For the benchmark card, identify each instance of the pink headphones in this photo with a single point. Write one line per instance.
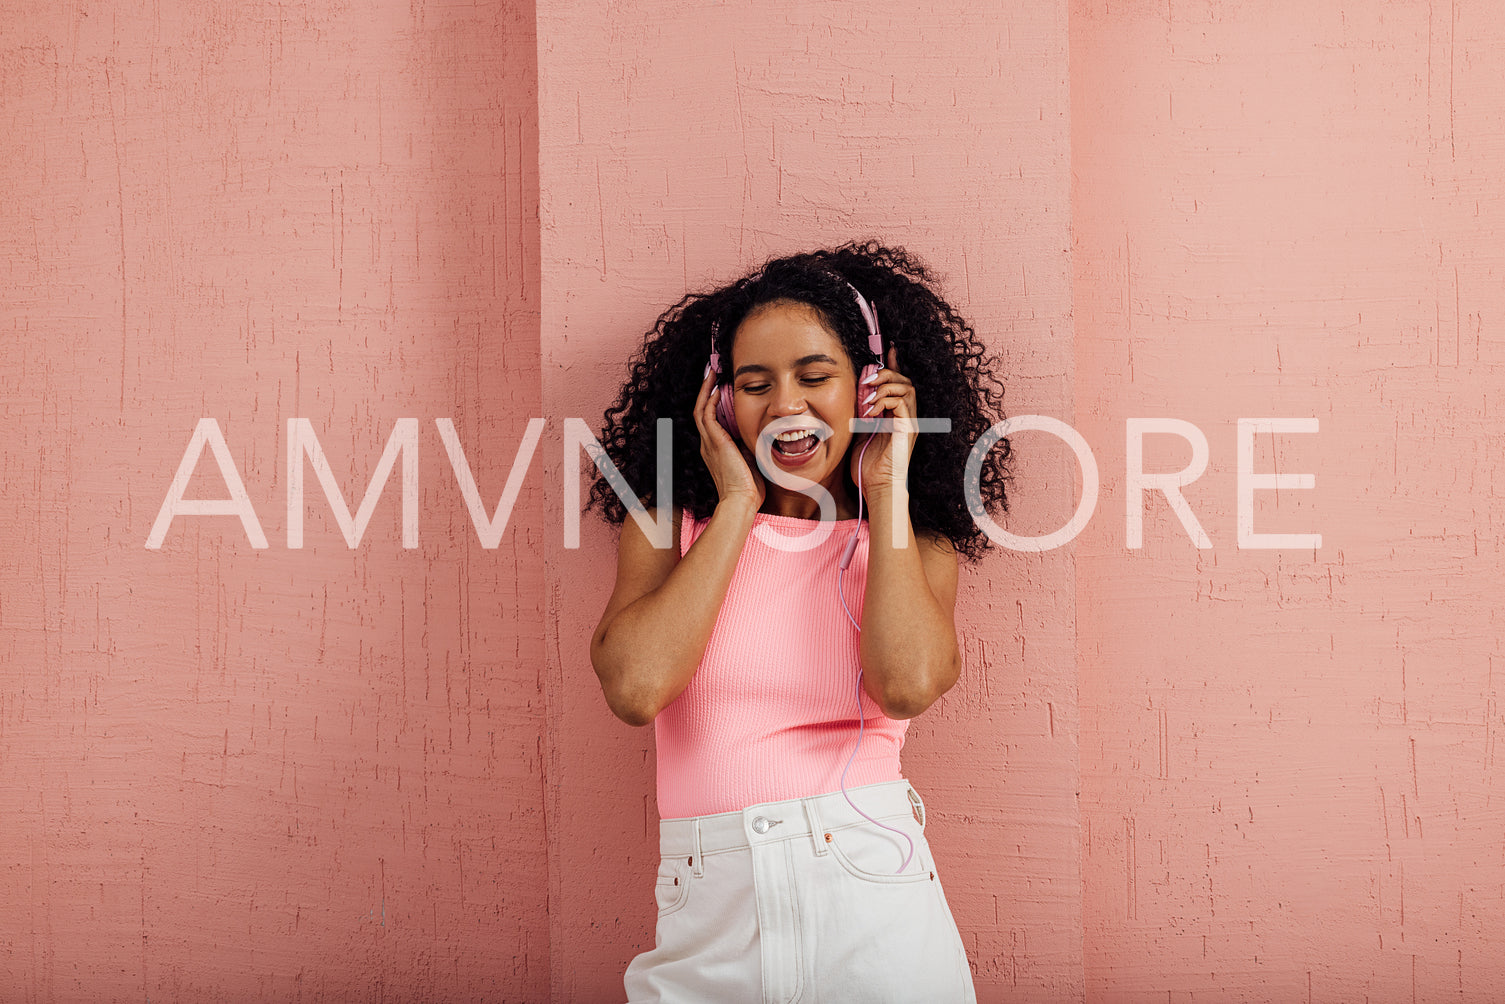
(725, 391)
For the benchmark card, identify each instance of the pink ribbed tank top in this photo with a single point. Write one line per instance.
(771, 712)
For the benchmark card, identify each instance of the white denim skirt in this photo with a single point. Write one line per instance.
(802, 900)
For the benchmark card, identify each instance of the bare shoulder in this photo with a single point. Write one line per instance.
(938, 541)
(635, 552)
(641, 568)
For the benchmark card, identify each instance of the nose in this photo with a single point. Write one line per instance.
(787, 400)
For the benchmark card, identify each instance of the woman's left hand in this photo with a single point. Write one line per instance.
(892, 396)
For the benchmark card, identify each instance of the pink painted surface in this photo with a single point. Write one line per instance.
(1290, 777)
(240, 774)
(684, 145)
(380, 772)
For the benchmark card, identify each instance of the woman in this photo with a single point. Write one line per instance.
(782, 646)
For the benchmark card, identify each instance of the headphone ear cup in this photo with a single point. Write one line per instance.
(724, 410)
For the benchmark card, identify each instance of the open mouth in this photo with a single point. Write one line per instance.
(796, 444)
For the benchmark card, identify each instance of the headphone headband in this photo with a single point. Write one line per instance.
(874, 341)
(715, 356)
(869, 317)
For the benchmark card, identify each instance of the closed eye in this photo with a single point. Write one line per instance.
(758, 388)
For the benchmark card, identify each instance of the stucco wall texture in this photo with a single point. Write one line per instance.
(1290, 778)
(382, 772)
(231, 773)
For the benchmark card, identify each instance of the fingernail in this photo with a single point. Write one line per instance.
(870, 377)
(707, 371)
(869, 398)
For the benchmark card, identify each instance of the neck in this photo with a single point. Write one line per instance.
(782, 502)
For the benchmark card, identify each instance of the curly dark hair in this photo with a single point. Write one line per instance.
(937, 350)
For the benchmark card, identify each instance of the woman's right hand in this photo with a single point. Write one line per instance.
(734, 470)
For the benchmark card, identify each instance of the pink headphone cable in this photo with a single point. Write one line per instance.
(846, 559)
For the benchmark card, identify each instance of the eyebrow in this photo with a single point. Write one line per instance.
(818, 357)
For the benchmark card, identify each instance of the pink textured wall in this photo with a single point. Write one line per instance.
(1290, 781)
(684, 147)
(229, 773)
(331, 772)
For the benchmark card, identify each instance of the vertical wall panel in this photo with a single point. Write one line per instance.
(1290, 782)
(240, 774)
(684, 144)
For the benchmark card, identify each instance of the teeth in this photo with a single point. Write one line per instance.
(789, 437)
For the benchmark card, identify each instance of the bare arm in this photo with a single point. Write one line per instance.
(656, 625)
(659, 618)
(908, 646)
